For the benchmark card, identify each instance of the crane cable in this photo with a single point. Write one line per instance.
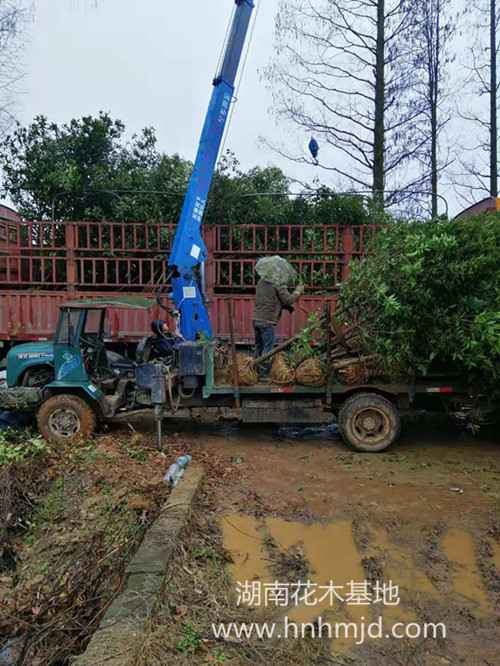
(240, 78)
(224, 44)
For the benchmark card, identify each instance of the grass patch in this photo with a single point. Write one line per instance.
(73, 535)
(51, 508)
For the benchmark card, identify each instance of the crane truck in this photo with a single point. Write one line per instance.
(74, 382)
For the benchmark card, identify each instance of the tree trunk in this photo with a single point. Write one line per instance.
(379, 129)
(434, 97)
(434, 165)
(493, 102)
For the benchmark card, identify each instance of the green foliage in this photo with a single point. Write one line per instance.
(51, 509)
(243, 198)
(17, 446)
(190, 641)
(87, 169)
(136, 452)
(218, 656)
(262, 196)
(303, 347)
(429, 297)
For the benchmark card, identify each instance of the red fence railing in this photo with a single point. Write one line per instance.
(115, 256)
(321, 253)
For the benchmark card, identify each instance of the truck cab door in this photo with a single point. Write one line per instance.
(68, 360)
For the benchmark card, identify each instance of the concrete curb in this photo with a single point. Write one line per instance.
(144, 578)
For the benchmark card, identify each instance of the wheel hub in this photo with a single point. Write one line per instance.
(64, 422)
(371, 424)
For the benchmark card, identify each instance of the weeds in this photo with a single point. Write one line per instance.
(135, 449)
(139, 455)
(74, 534)
(218, 656)
(17, 446)
(52, 507)
(190, 641)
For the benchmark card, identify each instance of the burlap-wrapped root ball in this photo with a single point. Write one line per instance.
(281, 372)
(354, 374)
(360, 372)
(221, 364)
(310, 373)
(223, 370)
(247, 374)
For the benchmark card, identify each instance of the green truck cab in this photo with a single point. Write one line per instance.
(30, 364)
(70, 383)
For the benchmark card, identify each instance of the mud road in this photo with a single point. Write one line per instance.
(421, 519)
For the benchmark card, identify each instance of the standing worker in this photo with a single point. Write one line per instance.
(272, 297)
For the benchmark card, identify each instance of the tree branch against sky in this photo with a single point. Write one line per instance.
(478, 173)
(13, 17)
(436, 26)
(341, 71)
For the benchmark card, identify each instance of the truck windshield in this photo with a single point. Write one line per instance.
(68, 327)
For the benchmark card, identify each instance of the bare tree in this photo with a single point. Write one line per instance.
(342, 70)
(435, 28)
(493, 93)
(13, 17)
(479, 164)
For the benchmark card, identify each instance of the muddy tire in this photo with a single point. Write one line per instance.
(65, 419)
(369, 422)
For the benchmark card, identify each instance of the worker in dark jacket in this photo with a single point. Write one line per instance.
(270, 301)
(165, 341)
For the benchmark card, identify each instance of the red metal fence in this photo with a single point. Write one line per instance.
(40, 262)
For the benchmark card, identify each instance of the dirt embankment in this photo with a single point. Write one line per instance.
(74, 516)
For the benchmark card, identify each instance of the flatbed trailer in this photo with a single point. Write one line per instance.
(368, 414)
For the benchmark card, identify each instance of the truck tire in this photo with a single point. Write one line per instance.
(369, 422)
(65, 419)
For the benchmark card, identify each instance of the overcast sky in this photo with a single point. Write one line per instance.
(148, 62)
(151, 63)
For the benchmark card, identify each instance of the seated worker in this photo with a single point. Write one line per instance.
(165, 340)
(270, 301)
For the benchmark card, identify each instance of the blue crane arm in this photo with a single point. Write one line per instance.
(189, 250)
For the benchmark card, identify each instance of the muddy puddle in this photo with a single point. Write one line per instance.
(460, 550)
(378, 580)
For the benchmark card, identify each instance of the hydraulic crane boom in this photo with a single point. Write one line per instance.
(189, 250)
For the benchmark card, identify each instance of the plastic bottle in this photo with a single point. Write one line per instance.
(176, 470)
